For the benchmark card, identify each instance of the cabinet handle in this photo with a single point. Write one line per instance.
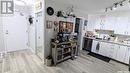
(98, 46)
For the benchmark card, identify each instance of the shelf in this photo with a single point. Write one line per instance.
(67, 52)
(64, 58)
(59, 57)
(59, 49)
(67, 47)
(67, 57)
(69, 42)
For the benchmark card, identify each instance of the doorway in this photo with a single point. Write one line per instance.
(39, 35)
(15, 32)
(2, 48)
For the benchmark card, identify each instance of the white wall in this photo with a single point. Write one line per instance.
(29, 10)
(32, 37)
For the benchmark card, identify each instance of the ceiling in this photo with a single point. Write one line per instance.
(88, 5)
(24, 2)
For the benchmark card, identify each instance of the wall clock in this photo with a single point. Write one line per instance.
(50, 11)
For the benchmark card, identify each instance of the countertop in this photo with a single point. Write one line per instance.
(73, 41)
(113, 42)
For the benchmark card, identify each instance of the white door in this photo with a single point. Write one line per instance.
(2, 48)
(39, 35)
(15, 30)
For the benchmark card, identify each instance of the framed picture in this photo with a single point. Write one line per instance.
(49, 24)
(66, 27)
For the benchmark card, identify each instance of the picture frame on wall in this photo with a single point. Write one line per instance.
(66, 27)
(49, 24)
(56, 28)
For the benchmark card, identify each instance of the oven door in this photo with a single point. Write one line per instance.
(87, 44)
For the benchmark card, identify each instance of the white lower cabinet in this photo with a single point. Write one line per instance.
(107, 49)
(121, 53)
(111, 50)
(103, 49)
(127, 56)
(114, 51)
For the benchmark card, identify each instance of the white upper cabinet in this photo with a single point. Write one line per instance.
(110, 23)
(91, 22)
(121, 25)
(128, 27)
(97, 23)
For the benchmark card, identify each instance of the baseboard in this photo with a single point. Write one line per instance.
(2, 54)
(32, 50)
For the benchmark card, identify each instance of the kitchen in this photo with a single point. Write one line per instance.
(108, 35)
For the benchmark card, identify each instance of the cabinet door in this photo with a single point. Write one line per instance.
(127, 56)
(116, 47)
(94, 46)
(97, 23)
(128, 27)
(110, 23)
(121, 53)
(103, 49)
(121, 25)
(110, 50)
(92, 23)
